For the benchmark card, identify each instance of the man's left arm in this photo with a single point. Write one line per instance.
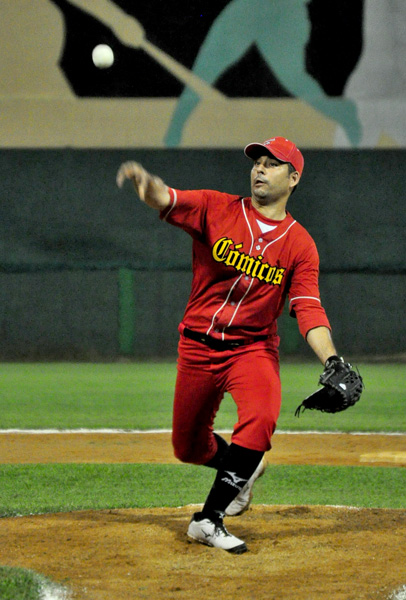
(305, 303)
(321, 342)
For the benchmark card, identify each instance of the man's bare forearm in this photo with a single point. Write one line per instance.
(321, 342)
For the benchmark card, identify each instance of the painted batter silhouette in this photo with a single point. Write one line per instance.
(280, 31)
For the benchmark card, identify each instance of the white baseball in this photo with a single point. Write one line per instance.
(102, 56)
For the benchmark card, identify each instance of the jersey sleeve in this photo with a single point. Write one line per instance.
(187, 210)
(304, 295)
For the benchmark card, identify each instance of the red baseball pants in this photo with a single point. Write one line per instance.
(249, 373)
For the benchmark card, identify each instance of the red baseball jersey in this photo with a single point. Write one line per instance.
(244, 266)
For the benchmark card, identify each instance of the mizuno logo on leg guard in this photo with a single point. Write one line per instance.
(235, 481)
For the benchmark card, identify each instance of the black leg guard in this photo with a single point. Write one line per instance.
(222, 450)
(237, 467)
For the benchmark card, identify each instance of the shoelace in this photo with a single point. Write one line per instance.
(220, 530)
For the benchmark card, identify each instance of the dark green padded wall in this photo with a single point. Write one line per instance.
(67, 233)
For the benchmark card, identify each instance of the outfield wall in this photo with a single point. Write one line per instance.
(88, 272)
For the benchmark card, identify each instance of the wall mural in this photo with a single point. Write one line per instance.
(189, 73)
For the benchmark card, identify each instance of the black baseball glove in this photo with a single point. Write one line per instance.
(342, 387)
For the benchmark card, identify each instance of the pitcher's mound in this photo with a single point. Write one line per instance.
(295, 552)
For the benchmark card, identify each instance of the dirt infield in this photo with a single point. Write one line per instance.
(321, 449)
(311, 553)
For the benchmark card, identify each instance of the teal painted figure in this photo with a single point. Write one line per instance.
(280, 29)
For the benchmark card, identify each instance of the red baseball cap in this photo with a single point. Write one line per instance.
(280, 148)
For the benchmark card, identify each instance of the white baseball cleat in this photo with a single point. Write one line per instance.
(215, 534)
(242, 501)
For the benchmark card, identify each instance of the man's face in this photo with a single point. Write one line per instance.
(270, 179)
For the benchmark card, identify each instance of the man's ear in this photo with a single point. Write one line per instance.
(294, 179)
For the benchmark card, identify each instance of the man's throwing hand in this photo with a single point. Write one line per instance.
(150, 188)
(137, 174)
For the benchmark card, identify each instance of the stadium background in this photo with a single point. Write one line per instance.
(88, 272)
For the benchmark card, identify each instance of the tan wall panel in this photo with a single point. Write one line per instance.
(116, 123)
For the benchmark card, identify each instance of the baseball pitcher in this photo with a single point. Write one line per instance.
(249, 257)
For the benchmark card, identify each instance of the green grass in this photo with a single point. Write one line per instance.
(32, 489)
(24, 584)
(75, 395)
(139, 396)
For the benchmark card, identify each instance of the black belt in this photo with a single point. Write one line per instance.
(215, 344)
